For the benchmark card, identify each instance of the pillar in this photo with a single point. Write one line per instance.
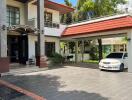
(82, 50)
(67, 51)
(76, 51)
(129, 48)
(41, 58)
(4, 61)
(100, 49)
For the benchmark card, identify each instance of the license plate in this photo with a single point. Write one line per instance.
(105, 66)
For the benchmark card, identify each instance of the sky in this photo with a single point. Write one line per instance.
(62, 1)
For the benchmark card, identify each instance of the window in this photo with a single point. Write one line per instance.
(49, 48)
(13, 15)
(48, 17)
(125, 55)
(115, 55)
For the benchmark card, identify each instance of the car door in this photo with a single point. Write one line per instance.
(125, 60)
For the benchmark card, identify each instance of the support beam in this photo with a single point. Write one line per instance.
(4, 61)
(129, 48)
(41, 58)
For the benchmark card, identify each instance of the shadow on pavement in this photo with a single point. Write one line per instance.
(49, 86)
(83, 65)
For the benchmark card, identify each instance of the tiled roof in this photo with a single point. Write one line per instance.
(99, 26)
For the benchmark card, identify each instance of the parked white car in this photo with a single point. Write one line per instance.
(114, 61)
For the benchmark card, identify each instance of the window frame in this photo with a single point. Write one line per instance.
(16, 10)
(48, 13)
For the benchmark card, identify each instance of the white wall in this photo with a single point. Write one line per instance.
(33, 38)
(31, 44)
(79, 58)
(55, 31)
(32, 13)
(21, 6)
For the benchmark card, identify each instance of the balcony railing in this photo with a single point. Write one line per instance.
(52, 25)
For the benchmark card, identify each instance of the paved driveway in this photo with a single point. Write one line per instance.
(76, 83)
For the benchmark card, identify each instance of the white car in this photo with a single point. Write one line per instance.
(114, 61)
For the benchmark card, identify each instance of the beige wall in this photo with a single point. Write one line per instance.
(31, 43)
(21, 6)
(32, 13)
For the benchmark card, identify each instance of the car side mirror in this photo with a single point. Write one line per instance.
(125, 58)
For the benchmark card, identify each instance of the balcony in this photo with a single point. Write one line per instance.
(51, 29)
(52, 25)
(54, 29)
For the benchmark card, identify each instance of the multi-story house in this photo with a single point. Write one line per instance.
(22, 44)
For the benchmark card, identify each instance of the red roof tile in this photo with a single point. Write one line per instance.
(100, 26)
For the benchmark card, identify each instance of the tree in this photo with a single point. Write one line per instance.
(97, 8)
(67, 18)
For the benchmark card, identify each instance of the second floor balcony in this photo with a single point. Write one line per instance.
(51, 28)
(52, 25)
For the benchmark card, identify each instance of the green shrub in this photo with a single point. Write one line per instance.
(57, 59)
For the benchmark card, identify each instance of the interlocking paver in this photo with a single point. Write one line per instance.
(76, 83)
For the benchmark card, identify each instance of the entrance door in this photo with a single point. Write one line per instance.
(23, 49)
(18, 49)
(13, 49)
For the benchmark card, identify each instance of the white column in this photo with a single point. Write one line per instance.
(67, 51)
(40, 19)
(4, 61)
(41, 59)
(82, 50)
(129, 51)
(76, 51)
(3, 31)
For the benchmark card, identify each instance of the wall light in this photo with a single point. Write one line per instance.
(3, 27)
(128, 39)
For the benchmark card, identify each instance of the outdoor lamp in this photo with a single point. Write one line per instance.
(3, 27)
(128, 39)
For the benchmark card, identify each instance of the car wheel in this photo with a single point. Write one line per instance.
(121, 67)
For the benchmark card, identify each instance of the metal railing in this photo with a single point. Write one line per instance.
(52, 25)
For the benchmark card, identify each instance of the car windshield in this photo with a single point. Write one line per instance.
(115, 55)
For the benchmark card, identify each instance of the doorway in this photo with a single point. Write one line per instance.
(18, 48)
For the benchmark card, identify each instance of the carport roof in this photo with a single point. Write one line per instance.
(99, 25)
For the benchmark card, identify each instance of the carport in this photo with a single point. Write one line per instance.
(106, 27)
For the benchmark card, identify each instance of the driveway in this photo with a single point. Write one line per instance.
(76, 83)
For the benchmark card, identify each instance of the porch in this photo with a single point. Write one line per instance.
(97, 29)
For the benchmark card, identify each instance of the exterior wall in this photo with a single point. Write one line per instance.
(32, 13)
(113, 41)
(32, 17)
(32, 39)
(31, 44)
(57, 42)
(21, 6)
(79, 58)
(54, 31)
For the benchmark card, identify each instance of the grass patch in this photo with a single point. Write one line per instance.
(92, 61)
